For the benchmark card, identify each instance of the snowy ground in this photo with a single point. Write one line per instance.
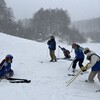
(48, 79)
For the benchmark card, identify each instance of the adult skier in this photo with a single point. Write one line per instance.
(52, 47)
(94, 64)
(79, 56)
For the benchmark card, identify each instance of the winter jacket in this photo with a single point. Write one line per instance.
(94, 63)
(52, 44)
(66, 52)
(79, 53)
(5, 67)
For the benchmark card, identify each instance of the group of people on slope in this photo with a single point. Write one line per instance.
(93, 58)
(5, 67)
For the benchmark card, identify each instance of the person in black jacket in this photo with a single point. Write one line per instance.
(52, 47)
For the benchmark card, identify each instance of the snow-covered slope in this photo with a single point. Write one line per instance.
(48, 80)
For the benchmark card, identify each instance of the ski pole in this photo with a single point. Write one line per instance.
(58, 52)
(47, 53)
(70, 65)
(72, 50)
(72, 79)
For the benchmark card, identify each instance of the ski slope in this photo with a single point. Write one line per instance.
(48, 79)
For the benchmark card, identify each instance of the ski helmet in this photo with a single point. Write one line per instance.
(9, 56)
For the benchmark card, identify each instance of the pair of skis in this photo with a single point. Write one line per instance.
(18, 80)
(73, 78)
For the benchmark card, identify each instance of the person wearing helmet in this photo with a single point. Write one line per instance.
(65, 52)
(94, 64)
(52, 47)
(5, 67)
(79, 56)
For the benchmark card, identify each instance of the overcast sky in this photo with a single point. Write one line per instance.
(77, 9)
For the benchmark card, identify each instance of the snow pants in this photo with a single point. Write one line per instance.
(93, 74)
(52, 55)
(80, 61)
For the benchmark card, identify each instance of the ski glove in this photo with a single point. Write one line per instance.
(84, 68)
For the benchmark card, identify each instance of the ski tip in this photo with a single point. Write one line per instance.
(28, 81)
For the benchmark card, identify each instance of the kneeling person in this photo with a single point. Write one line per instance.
(5, 67)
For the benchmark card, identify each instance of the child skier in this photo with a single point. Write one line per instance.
(5, 67)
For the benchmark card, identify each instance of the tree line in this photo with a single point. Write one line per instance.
(90, 28)
(43, 24)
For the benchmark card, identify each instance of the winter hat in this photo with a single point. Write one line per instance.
(86, 50)
(52, 37)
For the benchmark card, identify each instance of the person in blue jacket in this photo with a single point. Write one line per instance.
(5, 67)
(79, 56)
(52, 47)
